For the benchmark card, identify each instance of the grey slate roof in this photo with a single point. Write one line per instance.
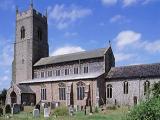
(135, 71)
(25, 89)
(72, 57)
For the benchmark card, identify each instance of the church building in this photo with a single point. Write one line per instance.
(78, 79)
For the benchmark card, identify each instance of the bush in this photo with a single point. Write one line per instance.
(149, 110)
(61, 111)
(8, 109)
(156, 89)
(1, 111)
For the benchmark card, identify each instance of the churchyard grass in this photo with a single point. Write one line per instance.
(117, 114)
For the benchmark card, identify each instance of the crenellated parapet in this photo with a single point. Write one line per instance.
(29, 13)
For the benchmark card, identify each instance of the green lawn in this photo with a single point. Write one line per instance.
(108, 115)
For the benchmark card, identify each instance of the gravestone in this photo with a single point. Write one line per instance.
(36, 113)
(76, 108)
(71, 111)
(15, 109)
(46, 112)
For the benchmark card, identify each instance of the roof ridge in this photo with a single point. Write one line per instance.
(85, 51)
(137, 65)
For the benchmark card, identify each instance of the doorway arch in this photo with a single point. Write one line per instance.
(13, 97)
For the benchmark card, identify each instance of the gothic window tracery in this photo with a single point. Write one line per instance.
(80, 90)
(62, 91)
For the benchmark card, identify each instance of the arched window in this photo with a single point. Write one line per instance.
(39, 33)
(43, 92)
(146, 87)
(109, 91)
(80, 90)
(62, 91)
(22, 32)
(125, 87)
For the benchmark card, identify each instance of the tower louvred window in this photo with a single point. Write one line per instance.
(39, 32)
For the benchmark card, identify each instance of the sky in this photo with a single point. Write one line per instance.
(132, 26)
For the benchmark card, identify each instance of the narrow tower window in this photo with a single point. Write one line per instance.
(22, 32)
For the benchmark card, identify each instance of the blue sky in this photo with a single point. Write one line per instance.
(132, 26)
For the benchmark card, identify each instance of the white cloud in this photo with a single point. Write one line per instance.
(129, 2)
(123, 56)
(126, 38)
(63, 16)
(6, 52)
(4, 78)
(109, 2)
(147, 1)
(152, 47)
(116, 18)
(125, 3)
(67, 50)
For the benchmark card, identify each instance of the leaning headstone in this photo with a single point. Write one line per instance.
(36, 113)
(46, 112)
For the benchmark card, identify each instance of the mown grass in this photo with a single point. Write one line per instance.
(107, 115)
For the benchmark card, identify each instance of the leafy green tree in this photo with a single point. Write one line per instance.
(149, 109)
(156, 89)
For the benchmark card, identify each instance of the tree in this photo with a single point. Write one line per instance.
(3, 96)
(156, 89)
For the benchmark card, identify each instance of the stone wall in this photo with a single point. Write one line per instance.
(135, 89)
(94, 65)
(53, 91)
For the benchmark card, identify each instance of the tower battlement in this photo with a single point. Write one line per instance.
(29, 13)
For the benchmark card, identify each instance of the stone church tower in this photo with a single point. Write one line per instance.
(31, 43)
